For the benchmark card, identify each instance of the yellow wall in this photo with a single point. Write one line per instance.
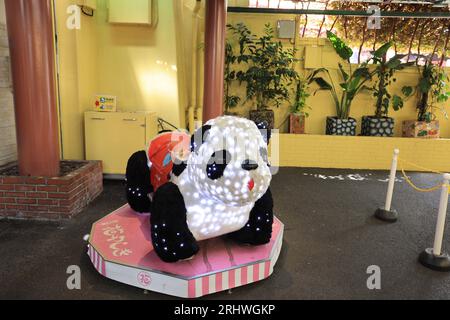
(77, 54)
(2, 12)
(320, 151)
(137, 64)
(322, 104)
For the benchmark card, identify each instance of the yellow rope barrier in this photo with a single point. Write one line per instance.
(409, 181)
(419, 167)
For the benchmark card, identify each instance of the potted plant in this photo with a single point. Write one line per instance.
(269, 73)
(298, 110)
(352, 84)
(380, 124)
(230, 101)
(432, 89)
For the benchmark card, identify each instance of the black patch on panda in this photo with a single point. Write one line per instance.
(178, 168)
(199, 137)
(138, 184)
(258, 229)
(217, 164)
(172, 240)
(263, 127)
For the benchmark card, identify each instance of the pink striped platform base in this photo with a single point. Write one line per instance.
(120, 249)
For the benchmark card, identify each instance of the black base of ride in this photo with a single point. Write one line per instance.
(387, 216)
(436, 263)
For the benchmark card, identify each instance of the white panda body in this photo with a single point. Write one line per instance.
(208, 218)
(220, 203)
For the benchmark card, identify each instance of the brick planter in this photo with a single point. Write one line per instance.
(421, 129)
(297, 123)
(51, 198)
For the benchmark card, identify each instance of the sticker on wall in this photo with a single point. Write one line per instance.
(105, 103)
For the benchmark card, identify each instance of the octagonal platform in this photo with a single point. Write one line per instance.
(120, 249)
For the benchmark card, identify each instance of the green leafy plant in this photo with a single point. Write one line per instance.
(230, 101)
(301, 95)
(385, 71)
(269, 66)
(432, 89)
(352, 83)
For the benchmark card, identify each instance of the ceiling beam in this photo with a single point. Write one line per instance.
(383, 14)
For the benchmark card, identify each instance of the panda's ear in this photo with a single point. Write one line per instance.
(265, 130)
(199, 137)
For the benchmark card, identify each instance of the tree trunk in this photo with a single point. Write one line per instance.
(379, 106)
(422, 107)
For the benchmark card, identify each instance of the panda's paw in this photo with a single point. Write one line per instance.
(172, 246)
(138, 199)
(138, 185)
(257, 231)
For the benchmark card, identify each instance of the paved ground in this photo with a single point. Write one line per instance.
(330, 240)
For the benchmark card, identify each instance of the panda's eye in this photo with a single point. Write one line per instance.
(217, 164)
(264, 155)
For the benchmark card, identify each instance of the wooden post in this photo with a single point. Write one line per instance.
(215, 33)
(31, 39)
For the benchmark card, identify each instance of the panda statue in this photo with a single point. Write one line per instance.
(220, 187)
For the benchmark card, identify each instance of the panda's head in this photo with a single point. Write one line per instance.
(229, 161)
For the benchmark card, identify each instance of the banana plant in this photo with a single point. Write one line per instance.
(352, 83)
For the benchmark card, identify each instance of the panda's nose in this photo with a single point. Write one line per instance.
(249, 165)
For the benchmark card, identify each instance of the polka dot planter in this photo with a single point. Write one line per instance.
(341, 127)
(377, 127)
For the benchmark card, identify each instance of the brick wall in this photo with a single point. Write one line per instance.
(50, 198)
